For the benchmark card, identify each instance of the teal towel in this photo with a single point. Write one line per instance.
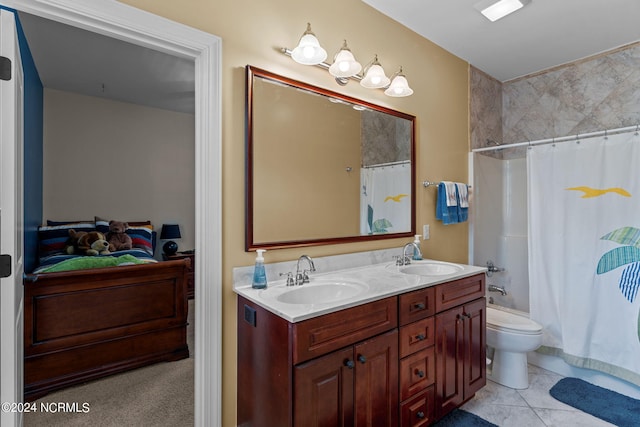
(447, 214)
(462, 212)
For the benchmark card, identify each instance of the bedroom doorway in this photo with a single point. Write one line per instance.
(113, 19)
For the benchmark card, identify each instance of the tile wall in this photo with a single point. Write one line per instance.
(597, 93)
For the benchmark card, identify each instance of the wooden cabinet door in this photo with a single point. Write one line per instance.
(376, 381)
(449, 360)
(475, 368)
(323, 392)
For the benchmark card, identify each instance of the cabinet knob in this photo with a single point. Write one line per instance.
(419, 306)
(362, 359)
(420, 373)
(420, 415)
(349, 364)
(420, 337)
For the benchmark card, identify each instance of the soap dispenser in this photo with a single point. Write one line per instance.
(259, 275)
(417, 255)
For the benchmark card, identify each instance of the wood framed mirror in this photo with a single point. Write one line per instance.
(324, 168)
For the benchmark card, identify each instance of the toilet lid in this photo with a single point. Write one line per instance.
(511, 322)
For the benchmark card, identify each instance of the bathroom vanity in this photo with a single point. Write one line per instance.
(403, 351)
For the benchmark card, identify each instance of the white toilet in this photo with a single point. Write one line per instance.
(512, 334)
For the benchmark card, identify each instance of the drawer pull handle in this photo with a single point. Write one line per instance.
(419, 306)
(420, 337)
(362, 359)
(420, 373)
(420, 415)
(349, 364)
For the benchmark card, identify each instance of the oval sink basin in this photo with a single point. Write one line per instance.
(430, 268)
(321, 292)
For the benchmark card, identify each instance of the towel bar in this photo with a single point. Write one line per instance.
(431, 184)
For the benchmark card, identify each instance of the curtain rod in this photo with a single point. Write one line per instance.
(382, 165)
(576, 137)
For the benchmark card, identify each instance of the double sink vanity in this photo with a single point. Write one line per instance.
(365, 342)
(375, 345)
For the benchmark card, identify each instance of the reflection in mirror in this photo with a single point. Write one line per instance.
(323, 167)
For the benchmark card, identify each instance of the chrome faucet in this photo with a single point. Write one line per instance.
(494, 288)
(303, 276)
(404, 259)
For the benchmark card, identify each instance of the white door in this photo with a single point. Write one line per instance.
(11, 224)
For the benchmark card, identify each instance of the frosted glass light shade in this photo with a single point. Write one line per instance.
(309, 51)
(399, 87)
(344, 64)
(375, 77)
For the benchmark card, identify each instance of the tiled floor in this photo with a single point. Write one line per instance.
(533, 407)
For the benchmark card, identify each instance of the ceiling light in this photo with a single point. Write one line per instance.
(309, 51)
(344, 63)
(374, 76)
(399, 85)
(494, 10)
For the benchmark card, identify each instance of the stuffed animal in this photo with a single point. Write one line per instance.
(71, 244)
(117, 237)
(83, 243)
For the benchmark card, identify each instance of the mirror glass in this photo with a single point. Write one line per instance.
(324, 168)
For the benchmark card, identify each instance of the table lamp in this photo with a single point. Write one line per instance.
(170, 231)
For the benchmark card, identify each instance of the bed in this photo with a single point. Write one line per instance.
(81, 325)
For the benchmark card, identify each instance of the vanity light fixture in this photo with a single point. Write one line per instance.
(345, 66)
(399, 85)
(494, 10)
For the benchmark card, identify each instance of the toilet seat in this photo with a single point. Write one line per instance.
(510, 322)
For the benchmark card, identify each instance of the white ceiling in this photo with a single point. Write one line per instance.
(541, 35)
(80, 61)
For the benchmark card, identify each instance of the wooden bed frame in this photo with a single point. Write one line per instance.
(87, 324)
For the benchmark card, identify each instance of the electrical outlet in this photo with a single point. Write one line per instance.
(425, 232)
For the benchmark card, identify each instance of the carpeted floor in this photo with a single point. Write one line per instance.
(618, 409)
(157, 395)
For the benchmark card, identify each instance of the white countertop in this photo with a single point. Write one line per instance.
(374, 282)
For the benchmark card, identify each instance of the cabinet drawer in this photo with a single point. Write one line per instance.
(417, 336)
(419, 410)
(320, 335)
(417, 372)
(458, 292)
(416, 305)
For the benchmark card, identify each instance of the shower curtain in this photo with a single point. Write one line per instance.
(385, 201)
(584, 251)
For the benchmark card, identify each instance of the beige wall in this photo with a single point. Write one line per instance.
(251, 33)
(118, 161)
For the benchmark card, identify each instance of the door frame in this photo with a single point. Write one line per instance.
(117, 20)
(12, 231)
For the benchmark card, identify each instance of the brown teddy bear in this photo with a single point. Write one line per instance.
(86, 243)
(117, 237)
